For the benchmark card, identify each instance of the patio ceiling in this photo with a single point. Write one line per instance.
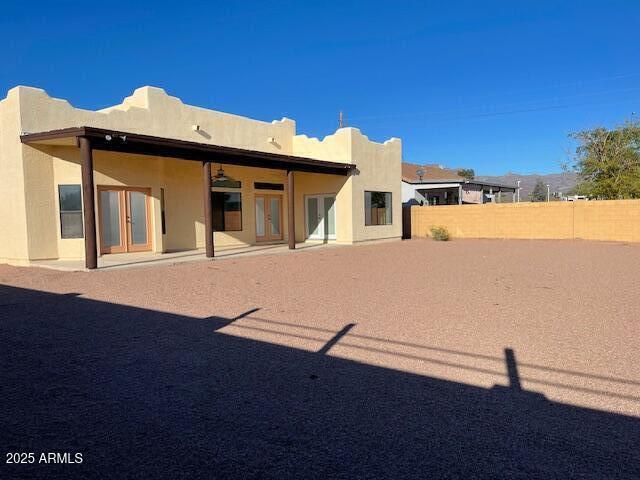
(126, 142)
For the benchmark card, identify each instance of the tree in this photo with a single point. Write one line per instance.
(467, 173)
(539, 193)
(608, 161)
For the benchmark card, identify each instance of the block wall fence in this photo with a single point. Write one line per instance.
(610, 220)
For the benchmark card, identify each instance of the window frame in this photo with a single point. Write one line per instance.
(62, 212)
(279, 187)
(390, 209)
(227, 183)
(216, 193)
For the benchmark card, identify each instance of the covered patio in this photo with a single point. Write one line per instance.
(153, 259)
(90, 139)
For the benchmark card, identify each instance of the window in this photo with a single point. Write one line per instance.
(228, 183)
(70, 198)
(227, 211)
(268, 186)
(377, 208)
(162, 214)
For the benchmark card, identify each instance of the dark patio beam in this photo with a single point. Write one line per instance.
(291, 210)
(208, 209)
(125, 142)
(88, 204)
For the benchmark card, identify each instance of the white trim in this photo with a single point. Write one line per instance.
(320, 197)
(434, 186)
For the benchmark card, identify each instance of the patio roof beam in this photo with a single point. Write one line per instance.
(125, 142)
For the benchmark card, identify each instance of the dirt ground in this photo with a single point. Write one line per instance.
(399, 359)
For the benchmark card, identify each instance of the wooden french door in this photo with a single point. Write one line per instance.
(268, 218)
(125, 219)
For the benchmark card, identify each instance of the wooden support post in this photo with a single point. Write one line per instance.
(291, 210)
(208, 209)
(459, 194)
(88, 204)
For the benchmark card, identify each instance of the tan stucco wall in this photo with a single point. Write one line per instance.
(377, 163)
(614, 220)
(182, 182)
(379, 168)
(151, 111)
(310, 184)
(31, 174)
(13, 234)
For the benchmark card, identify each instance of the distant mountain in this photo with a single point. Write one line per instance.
(558, 182)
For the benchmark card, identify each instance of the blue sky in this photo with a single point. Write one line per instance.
(495, 86)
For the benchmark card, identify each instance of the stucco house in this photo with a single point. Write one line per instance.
(154, 174)
(436, 185)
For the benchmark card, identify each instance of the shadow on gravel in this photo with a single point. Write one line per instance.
(147, 394)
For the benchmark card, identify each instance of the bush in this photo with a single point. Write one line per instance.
(440, 234)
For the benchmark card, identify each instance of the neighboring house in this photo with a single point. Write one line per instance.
(575, 198)
(154, 174)
(435, 185)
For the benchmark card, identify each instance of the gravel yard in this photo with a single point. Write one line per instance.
(419, 359)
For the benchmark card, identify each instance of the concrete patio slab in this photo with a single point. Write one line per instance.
(151, 259)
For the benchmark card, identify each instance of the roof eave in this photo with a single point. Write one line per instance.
(127, 142)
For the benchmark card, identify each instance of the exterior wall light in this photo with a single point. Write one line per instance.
(220, 176)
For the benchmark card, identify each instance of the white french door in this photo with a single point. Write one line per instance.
(320, 213)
